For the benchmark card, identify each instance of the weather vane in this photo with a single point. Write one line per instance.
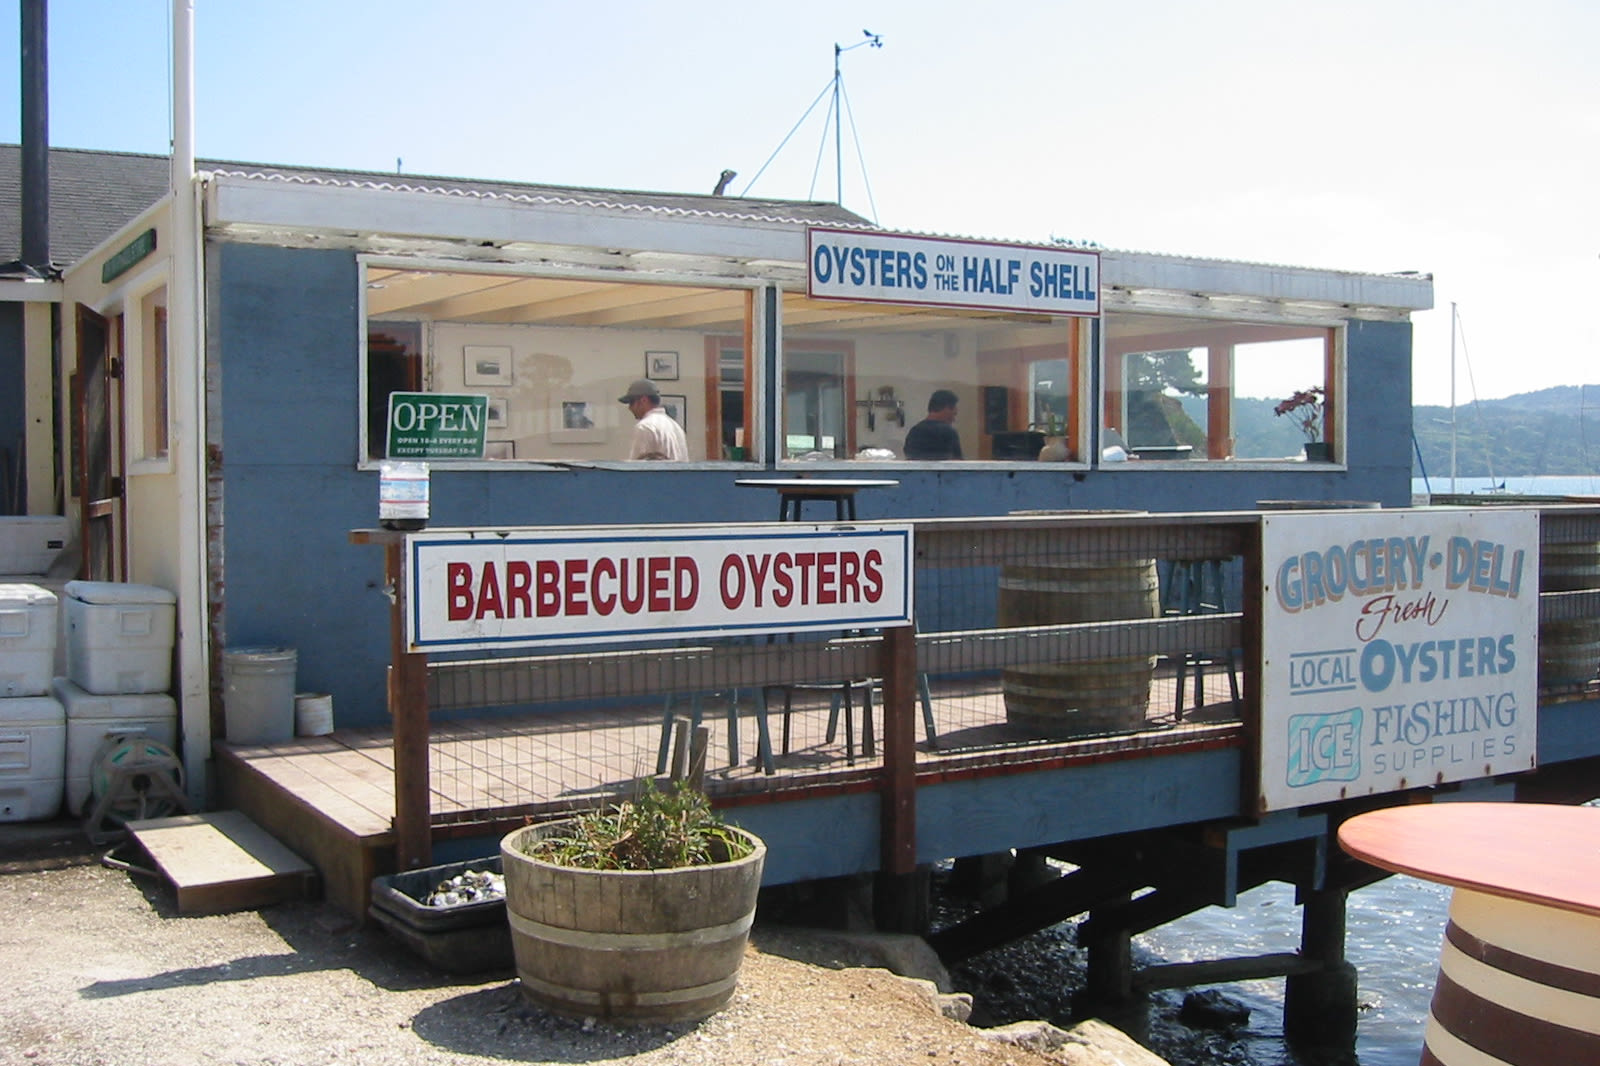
(876, 41)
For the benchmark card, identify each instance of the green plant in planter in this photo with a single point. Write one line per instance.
(657, 830)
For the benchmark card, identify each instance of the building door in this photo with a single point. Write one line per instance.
(97, 477)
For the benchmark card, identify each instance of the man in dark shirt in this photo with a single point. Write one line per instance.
(935, 437)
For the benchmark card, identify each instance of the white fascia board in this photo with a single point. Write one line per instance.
(21, 291)
(283, 205)
(1134, 271)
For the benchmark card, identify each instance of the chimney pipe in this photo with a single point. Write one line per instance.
(35, 138)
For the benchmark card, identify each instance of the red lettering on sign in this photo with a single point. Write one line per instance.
(519, 580)
(827, 575)
(604, 599)
(783, 595)
(458, 581)
(547, 588)
(872, 570)
(576, 602)
(632, 590)
(732, 592)
(849, 574)
(759, 565)
(489, 593)
(805, 560)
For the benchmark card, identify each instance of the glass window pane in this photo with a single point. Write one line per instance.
(554, 354)
(1186, 388)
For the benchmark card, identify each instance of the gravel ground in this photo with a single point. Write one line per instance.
(101, 971)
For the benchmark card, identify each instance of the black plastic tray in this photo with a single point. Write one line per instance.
(466, 938)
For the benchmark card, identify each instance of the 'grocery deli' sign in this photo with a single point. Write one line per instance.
(1400, 649)
(532, 587)
(897, 268)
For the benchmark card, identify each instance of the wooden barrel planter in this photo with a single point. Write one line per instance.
(628, 945)
(1569, 651)
(1059, 700)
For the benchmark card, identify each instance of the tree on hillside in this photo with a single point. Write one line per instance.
(1156, 417)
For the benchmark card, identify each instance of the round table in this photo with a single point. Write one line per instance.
(795, 491)
(1519, 970)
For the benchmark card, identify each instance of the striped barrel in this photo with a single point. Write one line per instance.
(1518, 985)
(628, 945)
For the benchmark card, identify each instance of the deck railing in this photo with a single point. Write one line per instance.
(1006, 617)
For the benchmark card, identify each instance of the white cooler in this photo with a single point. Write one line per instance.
(29, 544)
(27, 640)
(92, 719)
(32, 758)
(119, 637)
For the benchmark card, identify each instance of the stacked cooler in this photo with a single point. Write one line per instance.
(119, 669)
(32, 723)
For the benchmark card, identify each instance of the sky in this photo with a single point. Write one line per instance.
(1459, 139)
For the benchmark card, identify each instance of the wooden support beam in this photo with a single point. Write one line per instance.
(1070, 895)
(1222, 971)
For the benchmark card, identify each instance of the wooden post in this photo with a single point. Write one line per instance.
(899, 805)
(1108, 974)
(900, 891)
(408, 708)
(1320, 1008)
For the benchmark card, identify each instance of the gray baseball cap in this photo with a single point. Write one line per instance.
(642, 387)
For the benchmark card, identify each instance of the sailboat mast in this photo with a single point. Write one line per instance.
(1452, 397)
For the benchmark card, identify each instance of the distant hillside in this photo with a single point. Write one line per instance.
(1551, 431)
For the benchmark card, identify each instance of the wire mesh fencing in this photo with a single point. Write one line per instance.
(1032, 630)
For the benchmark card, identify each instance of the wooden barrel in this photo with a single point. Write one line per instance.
(1569, 650)
(1075, 699)
(1518, 983)
(628, 945)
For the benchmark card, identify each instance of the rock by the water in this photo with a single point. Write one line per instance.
(1089, 1043)
(1210, 1009)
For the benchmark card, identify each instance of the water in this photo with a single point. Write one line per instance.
(1394, 929)
(1527, 486)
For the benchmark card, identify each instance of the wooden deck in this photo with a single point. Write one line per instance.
(332, 798)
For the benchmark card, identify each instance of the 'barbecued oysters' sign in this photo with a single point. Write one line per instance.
(1400, 649)
(511, 588)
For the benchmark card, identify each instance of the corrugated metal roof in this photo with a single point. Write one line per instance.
(93, 194)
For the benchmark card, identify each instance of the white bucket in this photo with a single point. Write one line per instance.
(313, 714)
(258, 694)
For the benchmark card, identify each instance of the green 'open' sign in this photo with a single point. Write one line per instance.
(435, 425)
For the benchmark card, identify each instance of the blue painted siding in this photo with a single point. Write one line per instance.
(1569, 731)
(968, 817)
(286, 337)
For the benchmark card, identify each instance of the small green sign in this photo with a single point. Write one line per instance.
(127, 255)
(436, 425)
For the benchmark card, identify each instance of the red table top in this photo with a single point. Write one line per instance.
(1538, 852)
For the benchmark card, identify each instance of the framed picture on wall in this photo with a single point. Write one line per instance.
(677, 407)
(486, 364)
(661, 366)
(573, 422)
(498, 412)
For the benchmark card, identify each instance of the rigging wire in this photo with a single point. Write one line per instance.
(822, 150)
(1477, 409)
(855, 138)
(825, 90)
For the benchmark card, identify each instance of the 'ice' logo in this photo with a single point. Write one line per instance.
(1324, 747)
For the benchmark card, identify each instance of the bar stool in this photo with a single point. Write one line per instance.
(1195, 586)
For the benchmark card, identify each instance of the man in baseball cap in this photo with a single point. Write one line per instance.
(656, 435)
